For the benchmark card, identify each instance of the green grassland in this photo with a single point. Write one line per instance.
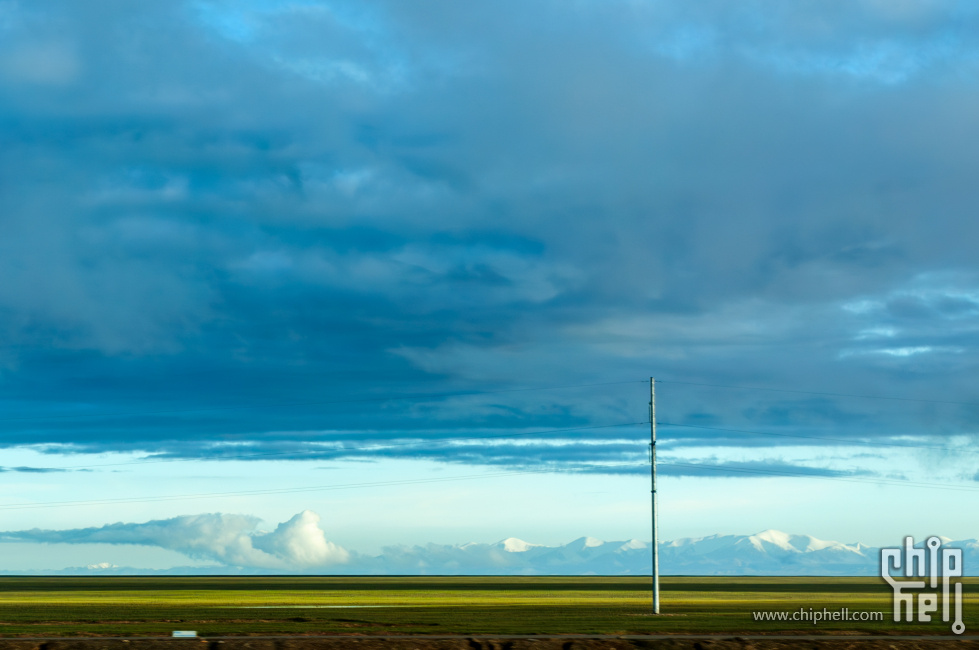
(132, 606)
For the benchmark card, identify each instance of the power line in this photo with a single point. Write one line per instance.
(428, 396)
(317, 488)
(467, 477)
(393, 398)
(846, 440)
(381, 446)
(851, 479)
(826, 394)
(375, 447)
(440, 395)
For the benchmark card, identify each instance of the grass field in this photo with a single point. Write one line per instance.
(131, 606)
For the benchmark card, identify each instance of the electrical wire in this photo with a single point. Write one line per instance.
(382, 446)
(826, 394)
(429, 396)
(845, 440)
(375, 447)
(851, 479)
(316, 488)
(347, 486)
(364, 400)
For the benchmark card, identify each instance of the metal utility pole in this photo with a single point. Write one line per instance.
(652, 472)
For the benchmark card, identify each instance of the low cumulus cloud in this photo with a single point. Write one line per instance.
(234, 540)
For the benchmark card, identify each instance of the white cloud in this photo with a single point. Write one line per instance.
(301, 542)
(229, 539)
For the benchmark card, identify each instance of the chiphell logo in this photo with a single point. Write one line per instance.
(933, 563)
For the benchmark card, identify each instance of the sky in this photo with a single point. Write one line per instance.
(408, 268)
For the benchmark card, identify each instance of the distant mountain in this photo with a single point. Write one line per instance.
(770, 552)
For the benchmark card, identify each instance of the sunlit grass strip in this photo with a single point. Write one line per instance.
(414, 605)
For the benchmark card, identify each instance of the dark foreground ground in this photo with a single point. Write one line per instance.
(685, 642)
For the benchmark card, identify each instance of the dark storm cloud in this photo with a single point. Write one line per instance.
(233, 221)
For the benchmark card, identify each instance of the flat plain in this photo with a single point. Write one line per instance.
(315, 605)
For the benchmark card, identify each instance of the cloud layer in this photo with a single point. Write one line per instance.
(226, 224)
(231, 540)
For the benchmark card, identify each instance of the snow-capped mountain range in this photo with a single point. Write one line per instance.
(770, 552)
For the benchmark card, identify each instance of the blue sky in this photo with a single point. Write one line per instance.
(249, 248)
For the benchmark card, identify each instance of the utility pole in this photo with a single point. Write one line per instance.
(652, 472)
